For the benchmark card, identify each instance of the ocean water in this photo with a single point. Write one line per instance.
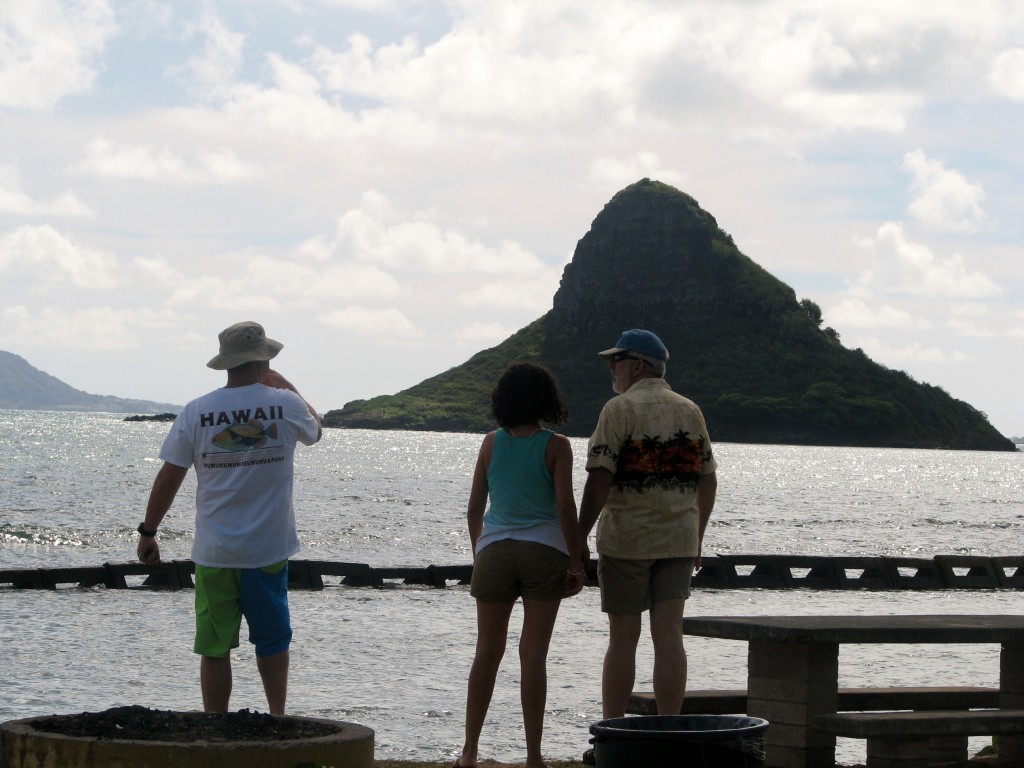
(73, 487)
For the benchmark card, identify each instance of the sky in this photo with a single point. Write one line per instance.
(390, 186)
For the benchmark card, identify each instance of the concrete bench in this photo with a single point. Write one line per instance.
(734, 701)
(920, 739)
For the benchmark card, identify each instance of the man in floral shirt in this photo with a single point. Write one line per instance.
(650, 487)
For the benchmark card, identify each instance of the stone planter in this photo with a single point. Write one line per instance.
(128, 737)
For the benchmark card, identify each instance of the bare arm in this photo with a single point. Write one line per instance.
(595, 494)
(277, 381)
(707, 488)
(478, 492)
(165, 487)
(560, 450)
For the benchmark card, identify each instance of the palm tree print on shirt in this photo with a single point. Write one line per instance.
(651, 462)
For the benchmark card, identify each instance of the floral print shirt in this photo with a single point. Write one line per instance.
(656, 445)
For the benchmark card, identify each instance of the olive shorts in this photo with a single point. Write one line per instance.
(632, 586)
(508, 569)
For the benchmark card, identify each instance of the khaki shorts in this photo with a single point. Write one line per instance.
(631, 586)
(508, 569)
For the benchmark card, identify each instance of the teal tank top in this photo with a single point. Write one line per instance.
(521, 490)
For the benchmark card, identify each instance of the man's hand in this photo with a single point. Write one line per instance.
(149, 550)
(165, 487)
(277, 381)
(574, 582)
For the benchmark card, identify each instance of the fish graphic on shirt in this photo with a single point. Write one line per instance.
(245, 437)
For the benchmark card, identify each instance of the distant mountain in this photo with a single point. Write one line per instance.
(23, 387)
(742, 346)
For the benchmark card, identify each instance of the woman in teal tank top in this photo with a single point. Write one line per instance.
(524, 545)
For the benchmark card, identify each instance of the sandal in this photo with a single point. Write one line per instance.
(589, 758)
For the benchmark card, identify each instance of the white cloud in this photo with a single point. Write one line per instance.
(900, 266)
(212, 70)
(944, 199)
(483, 334)
(351, 69)
(857, 313)
(270, 283)
(388, 325)
(14, 200)
(381, 6)
(301, 281)
(816, 68)
(157, 269)
(766, 71)
(900, 356)
(883, 112)
(208, 290)
(304, 115)
(971, 319)
(149, 163)
(1015, 328)
(1007, 74)
(617, 172)
(515, 293)
(292, 78)
(496, 61)
(377, 254)
(317, 248)
(99, 329)
(42, 256)
(50, 50)
(376, 233)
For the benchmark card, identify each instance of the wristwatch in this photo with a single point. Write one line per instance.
(142, 531)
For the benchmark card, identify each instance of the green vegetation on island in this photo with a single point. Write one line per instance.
(754, 357)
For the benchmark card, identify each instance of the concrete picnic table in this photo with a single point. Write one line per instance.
(793, 668)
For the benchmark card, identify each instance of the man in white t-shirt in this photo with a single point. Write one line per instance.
(241, 440)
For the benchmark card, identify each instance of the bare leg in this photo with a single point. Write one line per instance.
(619, 663)
(669, 655)
(215, 680)
(538, 623)
(491, 636)
(274, 673)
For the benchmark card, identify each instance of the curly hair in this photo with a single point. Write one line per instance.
(527, 392)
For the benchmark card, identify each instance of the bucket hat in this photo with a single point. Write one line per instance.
(243, 343)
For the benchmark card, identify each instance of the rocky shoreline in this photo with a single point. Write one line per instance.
(152, 417)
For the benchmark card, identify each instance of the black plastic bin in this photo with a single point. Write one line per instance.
(694, 741)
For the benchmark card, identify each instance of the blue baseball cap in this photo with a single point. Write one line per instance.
(639, 341)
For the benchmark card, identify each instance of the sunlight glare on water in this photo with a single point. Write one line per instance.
(396, 659)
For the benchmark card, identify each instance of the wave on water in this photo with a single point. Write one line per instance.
(14, 535)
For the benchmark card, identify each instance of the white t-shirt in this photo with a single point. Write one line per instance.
(241, 441)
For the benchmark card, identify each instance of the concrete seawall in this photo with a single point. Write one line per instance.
(717, 572)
